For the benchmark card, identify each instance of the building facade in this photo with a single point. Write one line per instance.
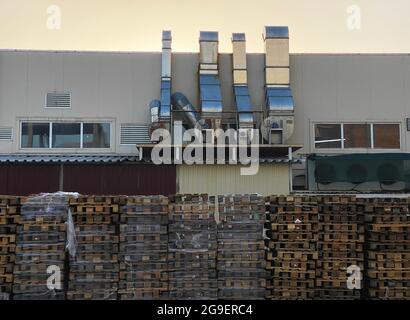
(89, 104)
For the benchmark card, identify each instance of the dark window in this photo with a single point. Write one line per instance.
(386, 136)
(325, 132)
(96, 135)
(35, 135)
(66, 135)
(356, 135)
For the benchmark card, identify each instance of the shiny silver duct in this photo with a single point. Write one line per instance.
(191, 116)
(209, 83)
(240, 82)
(165, 110)
(278, 125)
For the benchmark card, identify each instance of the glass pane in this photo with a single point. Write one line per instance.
(66, 135)
(324, 132)
(357, 135)
(386, 136)
(35, 135)
(96, 135)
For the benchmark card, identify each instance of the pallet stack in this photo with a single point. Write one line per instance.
(241, 249)
(40, 248)
(9, 218)
(292, 254)
(94, 269)
(192, 247)
(340, 248)
(143, 248)
(388, 248)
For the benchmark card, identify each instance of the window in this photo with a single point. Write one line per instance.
(386, 136)
(35, 135)
(357, 135)
(96, 135)
(328, 136)
(64, 135)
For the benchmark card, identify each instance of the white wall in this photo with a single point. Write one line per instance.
(119, 86)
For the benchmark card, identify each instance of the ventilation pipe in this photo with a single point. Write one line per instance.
(209, 83)
(240, 82)
(165, 111)
(191, 116)
(278, 126)
(160, 110)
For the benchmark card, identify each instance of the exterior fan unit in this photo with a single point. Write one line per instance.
(388, 173)
(356, 173)
(325, 173)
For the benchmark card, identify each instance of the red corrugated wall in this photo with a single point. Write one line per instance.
(98, 179)
(120, 179)
(25, 179)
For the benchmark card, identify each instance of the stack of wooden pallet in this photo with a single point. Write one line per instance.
(94, 269)
(388, 248)
(241, 249)
(9, 218)
(143, 248)
(40, 249)
(192, 247)
(340, 248)
(292, 253)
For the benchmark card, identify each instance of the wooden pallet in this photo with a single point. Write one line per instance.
(292, 255)
(92, 295)
(290, 265)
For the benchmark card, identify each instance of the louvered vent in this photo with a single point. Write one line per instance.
(6, 133)
(132, 134)
(58, 100)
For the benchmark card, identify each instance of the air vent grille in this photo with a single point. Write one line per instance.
(6, 133)
(132, 134)
(58, 100)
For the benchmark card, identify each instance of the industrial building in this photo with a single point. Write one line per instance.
(81, 121)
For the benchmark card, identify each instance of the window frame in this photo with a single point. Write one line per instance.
(343, 148)
(50, 123)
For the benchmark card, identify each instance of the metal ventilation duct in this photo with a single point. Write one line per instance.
(278, 93)
(165, 110)
(240, 81)
(181, 102)
(279, 99)
(209, 83)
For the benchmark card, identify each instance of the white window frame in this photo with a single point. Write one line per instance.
(342, 138)
(50, 147)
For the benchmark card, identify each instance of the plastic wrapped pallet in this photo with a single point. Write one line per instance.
(94, 267)
(9, 218)
(241, 254)
(192, 247)
(143, 248)
(40, 251)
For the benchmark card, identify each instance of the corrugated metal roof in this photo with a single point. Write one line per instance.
(23, 158)
(278, 160)
(66, 158)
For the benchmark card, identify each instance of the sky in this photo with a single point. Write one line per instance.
(316, 26)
